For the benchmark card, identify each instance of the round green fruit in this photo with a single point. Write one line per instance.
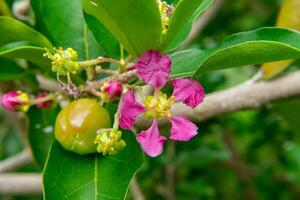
(77, 124)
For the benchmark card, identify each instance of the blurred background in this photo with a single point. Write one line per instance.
(246, 155)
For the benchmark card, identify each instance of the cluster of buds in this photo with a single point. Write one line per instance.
(109, 141)
(63, 61)
(17, 101)
(166, 11)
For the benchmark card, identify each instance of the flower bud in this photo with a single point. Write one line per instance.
(111, 91)
(45, 104)
(109, 142)
(16, 101)
(63, 61)
(166, 11)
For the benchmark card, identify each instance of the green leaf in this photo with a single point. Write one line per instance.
(10, 70)
(70, 176)
(182, 34)
(185, 13)
(289, 110)
(63, 22)
(41, 132)
(104, 38)
(136, 24)
(247, 48)
(21, 41)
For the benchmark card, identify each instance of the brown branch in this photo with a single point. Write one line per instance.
(16, 161)
(136, 190)
(240, 168)
(18, 184)
(170, 173)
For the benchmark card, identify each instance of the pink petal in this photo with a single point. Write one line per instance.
(10, 101)
(154, 68)
(130, 109)
(114, 89)
(189, 91)
(182, 129)
(151, 141)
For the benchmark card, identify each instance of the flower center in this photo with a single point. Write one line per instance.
(157, 108)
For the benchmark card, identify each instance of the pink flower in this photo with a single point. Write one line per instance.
(113, 90)
(45, 104)
(16, 101)
(154, 68)
(151, 141)
(189, 91)
(130, 109)
(182, 129)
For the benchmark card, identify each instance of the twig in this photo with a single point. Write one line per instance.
(16, 161)
(170, 173)
(136, 190)
(18, 184)
(124, 77)
(240, 168)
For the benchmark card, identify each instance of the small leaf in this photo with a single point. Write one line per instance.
(41, 132)
(247, 48)
(63, 22)
(70, 176)
(136, 24)
(183, 32)
(21, 41)
(289, 17)
(104, 38)
(184, 15)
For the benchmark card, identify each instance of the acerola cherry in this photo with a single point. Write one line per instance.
(77, 124)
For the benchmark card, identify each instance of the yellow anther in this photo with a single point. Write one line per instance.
(157, 108)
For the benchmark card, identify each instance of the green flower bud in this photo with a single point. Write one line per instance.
(109, 141)
(63, 61)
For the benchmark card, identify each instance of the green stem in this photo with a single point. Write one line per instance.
(88, 63)
(4, 9)
(47, 98)
(117, 115)
(90, 71)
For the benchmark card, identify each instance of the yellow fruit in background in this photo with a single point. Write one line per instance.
(289, 17)
(76, 125)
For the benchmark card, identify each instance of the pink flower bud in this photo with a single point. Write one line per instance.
(45, 104)
(16, 101)
(111, 91)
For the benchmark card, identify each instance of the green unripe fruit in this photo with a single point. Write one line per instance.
(77, 124)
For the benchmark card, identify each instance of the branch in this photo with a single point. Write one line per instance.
(242, 97)
(20, 184)
(136, 190)
(240, 168)
(16, 161)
